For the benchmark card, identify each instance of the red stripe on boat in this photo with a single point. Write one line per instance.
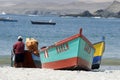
(68, 63)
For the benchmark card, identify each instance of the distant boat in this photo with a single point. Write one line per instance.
(43, 22)
(8, 19)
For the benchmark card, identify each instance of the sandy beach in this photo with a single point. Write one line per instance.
(10, 73)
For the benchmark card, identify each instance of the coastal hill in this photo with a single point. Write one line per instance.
(111, 11)
(76, 8)
(38, 7)
(114, 7)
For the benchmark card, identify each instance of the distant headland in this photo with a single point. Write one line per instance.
(112, 10)
(75, 9)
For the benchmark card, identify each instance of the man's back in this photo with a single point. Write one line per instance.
(19, 47)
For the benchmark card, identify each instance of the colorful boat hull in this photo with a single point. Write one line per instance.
(75, 52)
(30, 60)
(99, 50)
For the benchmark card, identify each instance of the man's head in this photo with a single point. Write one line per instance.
(20, 38)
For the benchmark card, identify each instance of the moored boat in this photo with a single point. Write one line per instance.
(8, 20)
(43, 22)
(74, 52)
(99, 50)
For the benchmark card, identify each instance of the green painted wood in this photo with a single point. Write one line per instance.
(82, 53)
(76, 49)
(53, 55)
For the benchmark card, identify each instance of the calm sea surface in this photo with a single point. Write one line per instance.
(93, 29)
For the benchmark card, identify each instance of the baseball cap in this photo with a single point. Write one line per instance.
(19, 37)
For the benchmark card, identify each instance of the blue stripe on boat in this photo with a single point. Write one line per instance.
(96, 60)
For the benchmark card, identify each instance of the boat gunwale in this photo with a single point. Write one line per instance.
(69, 39)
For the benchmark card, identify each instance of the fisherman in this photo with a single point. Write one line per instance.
(18, 49)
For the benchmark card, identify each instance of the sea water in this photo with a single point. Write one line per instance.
(93, 28)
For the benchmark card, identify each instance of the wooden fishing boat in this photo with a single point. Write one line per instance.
(99, 50)
(43, 23)
(30, 60)
(73, 53)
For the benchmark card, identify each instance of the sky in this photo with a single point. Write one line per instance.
(62, 1)
(86, 0)
(97, 0)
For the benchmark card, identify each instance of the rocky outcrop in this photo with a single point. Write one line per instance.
(83, 14)
(104, 13)
(111, 11)
(114, 7)
(86, 14)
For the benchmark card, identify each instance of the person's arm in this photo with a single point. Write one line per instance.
(14, 47)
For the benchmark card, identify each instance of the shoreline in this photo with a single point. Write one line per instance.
(106, 63)
(107, 71)
(10, 73)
